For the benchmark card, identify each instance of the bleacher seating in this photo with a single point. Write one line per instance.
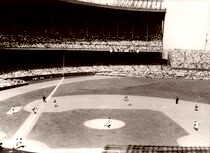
(189, 59)
(4, 83)
(29, 41)
(142, 71)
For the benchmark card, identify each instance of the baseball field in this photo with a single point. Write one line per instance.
(89, 113)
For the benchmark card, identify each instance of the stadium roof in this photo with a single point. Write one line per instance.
(130, 5)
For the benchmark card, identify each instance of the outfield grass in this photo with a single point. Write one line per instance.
(189, 90)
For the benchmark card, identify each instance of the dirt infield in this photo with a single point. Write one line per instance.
(148, 121)
(182, 114)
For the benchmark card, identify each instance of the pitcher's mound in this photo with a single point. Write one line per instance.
(104, 124)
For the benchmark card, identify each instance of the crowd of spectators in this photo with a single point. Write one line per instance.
(143, 71)
(189, 59)
(11, 82)
(28, 41)
(155, 71)
(146, 4)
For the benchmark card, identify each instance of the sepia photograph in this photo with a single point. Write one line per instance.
(105, 76)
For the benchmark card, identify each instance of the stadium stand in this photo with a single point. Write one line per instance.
(146, 4)
(11, 83)
(27, 41)
(119, 31)
(143, 71)
(189, 59)
(92, 28)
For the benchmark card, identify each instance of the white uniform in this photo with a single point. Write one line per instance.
(196, 125)
(196, 107)
(108, 124)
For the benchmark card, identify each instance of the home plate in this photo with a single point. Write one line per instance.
(101, 124)
(2, 135)
(28, 145)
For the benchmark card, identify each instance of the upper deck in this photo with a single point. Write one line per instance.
(131, 5)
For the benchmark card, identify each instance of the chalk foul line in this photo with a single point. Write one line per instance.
(29, 123)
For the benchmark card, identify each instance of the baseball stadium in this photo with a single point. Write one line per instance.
(105, 76)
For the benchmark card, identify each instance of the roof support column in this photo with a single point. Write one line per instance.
(117, 29)
(147, 37)
(132, 31)
(86, 28)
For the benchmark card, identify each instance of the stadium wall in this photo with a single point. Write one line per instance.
(187, 24)
(208, 36)
(186, 39)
